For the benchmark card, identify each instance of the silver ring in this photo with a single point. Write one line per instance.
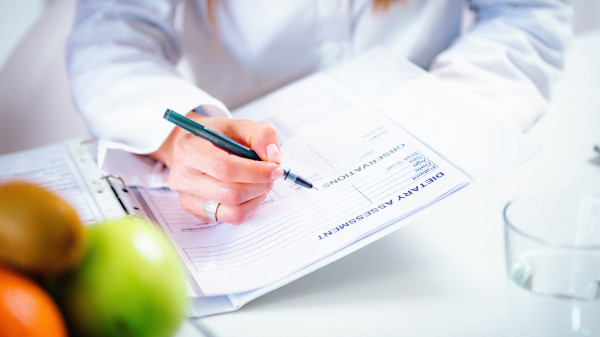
(210, 209)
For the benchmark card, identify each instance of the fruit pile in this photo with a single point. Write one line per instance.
(58, 277)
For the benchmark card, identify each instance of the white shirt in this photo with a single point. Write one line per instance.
(130, 60)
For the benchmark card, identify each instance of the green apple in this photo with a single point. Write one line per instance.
(130, 283)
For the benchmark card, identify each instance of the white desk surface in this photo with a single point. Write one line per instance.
(442, 275)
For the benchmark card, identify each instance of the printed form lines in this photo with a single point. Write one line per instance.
(293, 230)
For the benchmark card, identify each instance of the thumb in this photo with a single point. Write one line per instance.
(260, 137)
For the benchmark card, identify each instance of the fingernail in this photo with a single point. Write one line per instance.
(276, 173)
(273, 153)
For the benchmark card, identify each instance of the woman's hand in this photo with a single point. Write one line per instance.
(201, 171)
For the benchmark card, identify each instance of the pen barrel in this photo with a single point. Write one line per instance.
(229, 145)
(215, 138)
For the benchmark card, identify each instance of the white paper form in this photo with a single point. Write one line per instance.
(52, 167)
(370, 173)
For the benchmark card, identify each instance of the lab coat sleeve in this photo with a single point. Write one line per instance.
(121, 60)
(509, 57)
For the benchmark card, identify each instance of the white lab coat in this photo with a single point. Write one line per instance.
(130, 60)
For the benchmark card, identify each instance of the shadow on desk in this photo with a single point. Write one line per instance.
(401, 256)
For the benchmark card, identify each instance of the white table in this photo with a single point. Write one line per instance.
(442, 275)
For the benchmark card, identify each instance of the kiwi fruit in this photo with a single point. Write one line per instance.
(40, 233)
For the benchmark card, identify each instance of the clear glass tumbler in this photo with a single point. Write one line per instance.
(552, 245)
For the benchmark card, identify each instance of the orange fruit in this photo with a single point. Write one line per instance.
(40, 233)
(26, 310)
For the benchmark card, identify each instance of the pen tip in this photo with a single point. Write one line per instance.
(314, 188)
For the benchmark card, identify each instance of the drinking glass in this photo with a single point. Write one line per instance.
(552, 245)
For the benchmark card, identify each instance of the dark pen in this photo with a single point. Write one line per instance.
(226, 144)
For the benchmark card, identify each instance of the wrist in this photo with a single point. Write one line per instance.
(164, 153)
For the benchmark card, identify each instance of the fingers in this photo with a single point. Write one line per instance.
(237, 201)
(199, 185)
(261, 137)
(273, 153)
(205, 157)
(225, 213)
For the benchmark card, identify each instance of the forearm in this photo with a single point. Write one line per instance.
(121, 63)
(510, 57)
